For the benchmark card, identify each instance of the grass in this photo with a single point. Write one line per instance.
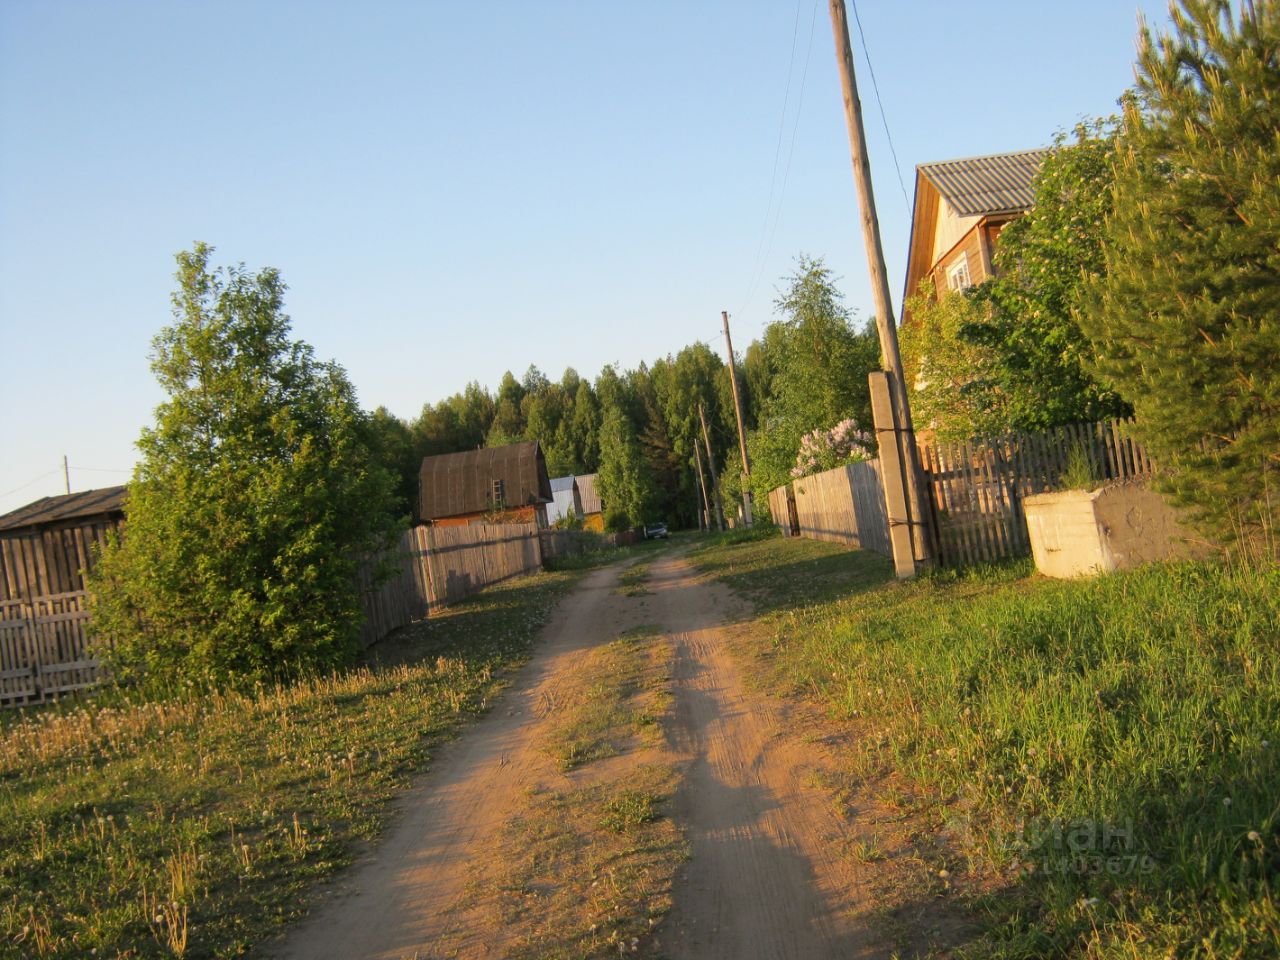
(197, 826)
(632, 581)
(587, 865)
(1101, 756)
(620, 692)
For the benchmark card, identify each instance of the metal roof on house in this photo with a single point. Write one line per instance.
(87, 503)
(455, 484)
(980, 186)
(587, 493)
(561, 483)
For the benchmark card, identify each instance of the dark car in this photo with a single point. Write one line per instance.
(656, 531)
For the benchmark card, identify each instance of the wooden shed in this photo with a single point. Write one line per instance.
(960, 208)
(592, 505)
(506, 484)
(46, 546)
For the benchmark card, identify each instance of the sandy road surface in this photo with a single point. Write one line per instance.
(766, 878)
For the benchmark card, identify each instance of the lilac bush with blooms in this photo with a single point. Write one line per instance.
(823, 449)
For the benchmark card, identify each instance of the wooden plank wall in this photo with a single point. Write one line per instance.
(464, 560)
(844, 505)
(401, 599)
(50, 560)
(977, 488)
(778, 509)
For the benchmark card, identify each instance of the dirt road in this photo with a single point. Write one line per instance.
(769, 876)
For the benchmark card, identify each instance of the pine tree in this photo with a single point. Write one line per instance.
(1185, 317)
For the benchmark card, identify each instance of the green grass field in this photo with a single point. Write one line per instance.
(1103, 757)
(197, 826)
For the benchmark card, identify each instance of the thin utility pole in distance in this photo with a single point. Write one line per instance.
(742, 435)
(711, 465)
(704, 514)
(66, 473)
(913, 478)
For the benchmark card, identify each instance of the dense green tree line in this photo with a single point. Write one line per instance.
(638, 428)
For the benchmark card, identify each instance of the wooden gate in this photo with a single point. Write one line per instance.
(44, 648)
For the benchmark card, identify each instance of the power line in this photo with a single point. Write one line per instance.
(30, 482)
(782, 127)
(761, 259)
(897, 167)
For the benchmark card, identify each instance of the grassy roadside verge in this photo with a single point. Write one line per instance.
(1101, 756)
(586, 868)
(195, 827)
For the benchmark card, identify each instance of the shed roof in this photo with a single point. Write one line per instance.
(981, 186)
(87, 503)
(587, 492)
(561, 483)
(454, 484)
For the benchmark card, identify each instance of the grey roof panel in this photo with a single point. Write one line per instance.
(979, 186)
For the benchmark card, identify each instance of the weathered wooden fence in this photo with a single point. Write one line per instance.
(844, 505)
(464, 560)
(571, 543)
(436, 566)
(405, 596)
(976, 489)
(44, 650)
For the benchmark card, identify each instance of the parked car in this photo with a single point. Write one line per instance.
(656, 531)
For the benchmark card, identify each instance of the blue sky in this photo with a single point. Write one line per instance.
(456, 189)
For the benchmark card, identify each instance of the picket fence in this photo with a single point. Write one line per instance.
(975, 490)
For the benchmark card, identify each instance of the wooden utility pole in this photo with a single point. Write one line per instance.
(711, 466)
(66, 473)
(742, 434)
(705, 513)
(913, 476)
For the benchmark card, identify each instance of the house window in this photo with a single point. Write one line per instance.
(498, 496)
(958, 274)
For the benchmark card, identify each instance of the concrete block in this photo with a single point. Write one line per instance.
(1078, 533)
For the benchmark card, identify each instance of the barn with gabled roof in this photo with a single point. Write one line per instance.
(507, 484)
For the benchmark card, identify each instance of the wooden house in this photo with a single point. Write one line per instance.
(46, 546)
(960, 208)
(592, 506)
(566, 500)
(506, 484)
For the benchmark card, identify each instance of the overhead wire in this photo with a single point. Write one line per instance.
(771, 232)
(30, 483)
(897, 166)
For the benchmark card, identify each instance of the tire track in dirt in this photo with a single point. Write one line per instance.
(768, 877)
(397, 903)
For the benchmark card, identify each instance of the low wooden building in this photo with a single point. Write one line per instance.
(592, 505)
(960, 208)
(506, 484)
(46, 546)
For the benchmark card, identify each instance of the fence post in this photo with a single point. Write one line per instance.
(892, 475)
